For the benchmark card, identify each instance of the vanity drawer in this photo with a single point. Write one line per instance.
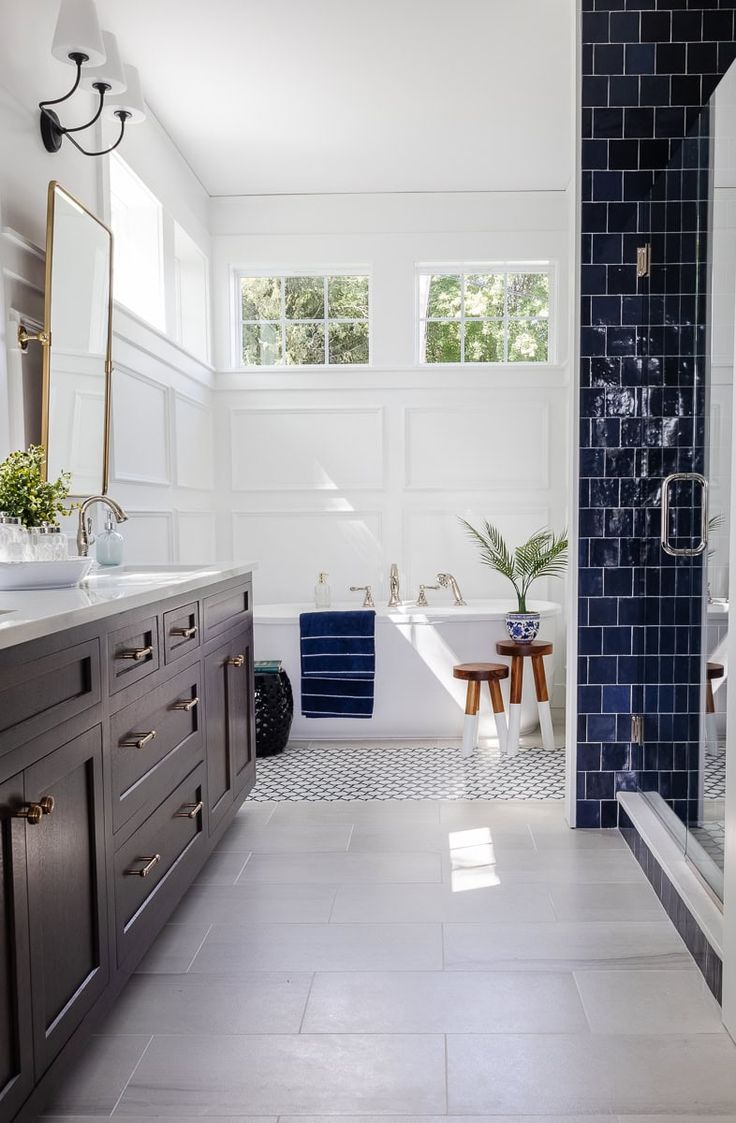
(156, 741)
(181, 631)
(133, 653)
(224, 610)
(38, 695)
(156, 863)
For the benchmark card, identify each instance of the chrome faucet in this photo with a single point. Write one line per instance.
(394, 588)
(83, 529)
(368, 601)
(447, 581)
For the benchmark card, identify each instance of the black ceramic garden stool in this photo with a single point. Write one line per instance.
(274, 705)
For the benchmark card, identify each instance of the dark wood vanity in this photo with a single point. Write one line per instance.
(127, 744)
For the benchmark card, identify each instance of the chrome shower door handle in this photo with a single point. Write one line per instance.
(687, 551)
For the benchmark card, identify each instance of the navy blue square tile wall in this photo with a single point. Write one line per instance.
(649, 68)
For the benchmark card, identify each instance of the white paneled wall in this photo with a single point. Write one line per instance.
(348, 471)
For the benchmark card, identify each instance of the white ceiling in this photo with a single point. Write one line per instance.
(294, 96)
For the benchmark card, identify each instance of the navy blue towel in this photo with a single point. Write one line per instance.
(338, 663)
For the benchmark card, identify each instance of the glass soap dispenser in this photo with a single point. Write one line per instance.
(109, 544)
(322, 595)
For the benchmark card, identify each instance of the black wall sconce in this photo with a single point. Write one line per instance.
(79, 40)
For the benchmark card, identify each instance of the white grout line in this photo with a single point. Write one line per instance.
(135, 1069)
(306, 1004)
(191, 961)
(242, 868)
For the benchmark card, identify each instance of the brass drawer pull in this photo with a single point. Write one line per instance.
(235, 661)
(185, 633)
(48, 803)
(189, 810)
(146, 869)
(136, 653)
(139, 740)
(31, 812)
(189, 705)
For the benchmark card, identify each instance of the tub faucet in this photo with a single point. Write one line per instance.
(83, 531)
(394, 588)
(368, 601)
(422, 601)
(447, 581)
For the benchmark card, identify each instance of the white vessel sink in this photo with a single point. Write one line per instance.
(44, 574)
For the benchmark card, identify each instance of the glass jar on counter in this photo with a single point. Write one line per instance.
(14, 538)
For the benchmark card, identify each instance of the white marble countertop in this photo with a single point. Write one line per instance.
(409, 611)
(30, 614)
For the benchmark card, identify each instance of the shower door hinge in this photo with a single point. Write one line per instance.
(637, 729)
(643, 260)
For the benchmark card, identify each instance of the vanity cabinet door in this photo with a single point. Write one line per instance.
(16, 1045)
(67, 892)
(230, 735)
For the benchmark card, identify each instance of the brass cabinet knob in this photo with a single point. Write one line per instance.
(138, 740)
(136, 653)
(185, 633)
(47, 804)
(31, 812)
(189, 810)
(149, 863)
(188, 704)
(235, 661)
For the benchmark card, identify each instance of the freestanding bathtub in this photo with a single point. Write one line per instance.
(416, 649)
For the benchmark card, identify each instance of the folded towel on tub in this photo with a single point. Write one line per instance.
(338, 655)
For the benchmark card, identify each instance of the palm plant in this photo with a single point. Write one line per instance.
(542, 555)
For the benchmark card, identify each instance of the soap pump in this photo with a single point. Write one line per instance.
(322, 595)
(109, 544)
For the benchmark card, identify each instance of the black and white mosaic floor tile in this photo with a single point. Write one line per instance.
(333, 772)
(715, 776)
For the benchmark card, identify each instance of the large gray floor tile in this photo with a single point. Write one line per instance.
(507, 813)
(477, 1119)
(255, 903)
(389, 811)
(320, 947)
(567, 1074)
(564, 946)
(553, 867)
(649, 1002)
(276, 1075)
(554, 839)
(342, 868)
(222, 868)
(174, 949)
(444, 1002)
(261, 1002)
(501, 903)
(374, 838)
(633, 901)
(283, 837)
(94, 1085)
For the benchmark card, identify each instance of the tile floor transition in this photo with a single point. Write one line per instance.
(418, 960)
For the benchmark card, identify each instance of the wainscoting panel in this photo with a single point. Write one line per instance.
(292, 547)
(195, 537)
(149, 538)
(495, 444)
(193, 442)
(140, 429)
(307, 449)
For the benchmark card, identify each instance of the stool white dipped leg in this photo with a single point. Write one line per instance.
(515, 692)
(543, 706)
(499, 714)
(470, 724)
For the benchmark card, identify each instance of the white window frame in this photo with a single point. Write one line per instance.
(476, 268)
(279, 271)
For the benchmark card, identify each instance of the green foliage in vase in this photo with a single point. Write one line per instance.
(543, 555)
(26, 495)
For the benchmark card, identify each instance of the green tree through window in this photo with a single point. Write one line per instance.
(304, 320)
(499, 316)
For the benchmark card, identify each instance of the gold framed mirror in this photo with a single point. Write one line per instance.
(77, 344)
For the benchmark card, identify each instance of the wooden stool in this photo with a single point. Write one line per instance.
(712, 671)
(474, 674)
(518, 652)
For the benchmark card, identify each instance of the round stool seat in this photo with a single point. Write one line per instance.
(513, 649)
(480, 672)
(715, 670)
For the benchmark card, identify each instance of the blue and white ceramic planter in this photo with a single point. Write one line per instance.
(522, 627)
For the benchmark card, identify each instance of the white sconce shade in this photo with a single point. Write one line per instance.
(111, 71)
(130, 102)
(78, 32)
